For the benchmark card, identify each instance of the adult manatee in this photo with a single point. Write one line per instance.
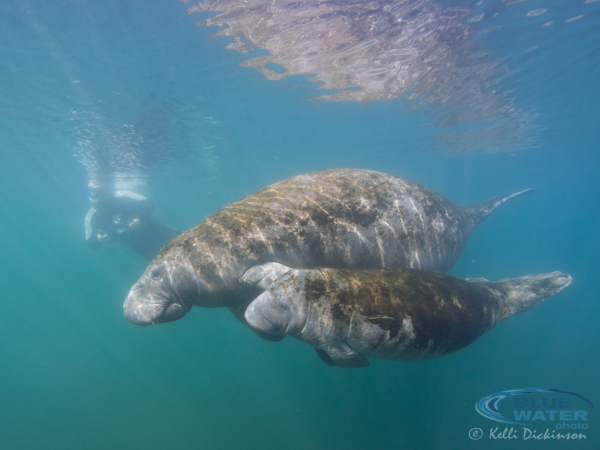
(345, 219)
(394, 314)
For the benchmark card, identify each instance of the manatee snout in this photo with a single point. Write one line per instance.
(148, 310)
(278, 311)
(166, 292)
(269, 314)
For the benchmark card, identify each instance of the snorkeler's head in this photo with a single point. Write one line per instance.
(96, 192)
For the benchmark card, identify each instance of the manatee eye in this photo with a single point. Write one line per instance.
(156, 274)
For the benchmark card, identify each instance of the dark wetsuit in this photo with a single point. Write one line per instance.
(125, 218)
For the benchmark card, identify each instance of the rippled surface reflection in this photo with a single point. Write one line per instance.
(415, 51)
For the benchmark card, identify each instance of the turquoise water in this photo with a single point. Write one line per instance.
(135, 90)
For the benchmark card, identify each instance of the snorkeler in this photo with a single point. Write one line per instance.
(124, 216)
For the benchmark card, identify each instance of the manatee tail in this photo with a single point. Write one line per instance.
(480, 211)
(519, 294)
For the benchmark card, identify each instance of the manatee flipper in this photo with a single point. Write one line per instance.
(263, 276)
(480, 211)
(325, 357)
(519, 294)
(344, 356)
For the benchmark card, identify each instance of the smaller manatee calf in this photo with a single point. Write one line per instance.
(396, 314)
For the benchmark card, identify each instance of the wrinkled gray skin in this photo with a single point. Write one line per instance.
(346, 218)
(399, 314)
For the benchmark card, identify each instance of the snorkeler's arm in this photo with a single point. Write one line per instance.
(139, 205)
(91, 235)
